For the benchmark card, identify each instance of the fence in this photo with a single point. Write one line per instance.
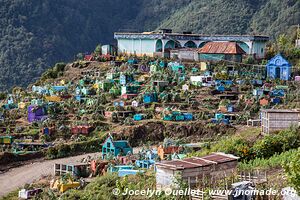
(224, 182)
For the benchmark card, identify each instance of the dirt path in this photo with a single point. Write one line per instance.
(18, 177)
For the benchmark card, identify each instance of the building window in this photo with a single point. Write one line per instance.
(262, 50)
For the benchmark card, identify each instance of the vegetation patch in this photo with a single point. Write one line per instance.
(64, 150)
(262, 148)
(275, 161)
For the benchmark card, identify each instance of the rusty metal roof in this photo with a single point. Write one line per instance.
(195, 162)
(183, 164)
(280, 110)
(222, 48)
(220, 158)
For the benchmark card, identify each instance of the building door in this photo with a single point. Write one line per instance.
(277, 72)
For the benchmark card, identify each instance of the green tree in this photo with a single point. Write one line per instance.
(80, 56)
(98, 49)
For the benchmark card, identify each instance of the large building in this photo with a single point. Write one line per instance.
(161, 42)
(276, 119)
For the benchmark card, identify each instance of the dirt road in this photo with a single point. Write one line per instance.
(18, 177)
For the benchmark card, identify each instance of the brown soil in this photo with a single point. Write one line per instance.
(73, 71)
(157, 131)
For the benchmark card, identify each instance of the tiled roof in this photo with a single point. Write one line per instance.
(222, 48)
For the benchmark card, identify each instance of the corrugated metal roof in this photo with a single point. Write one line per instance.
(222, 48)
(280, 110)
(183, 164)
(219, 158)
(195, 162)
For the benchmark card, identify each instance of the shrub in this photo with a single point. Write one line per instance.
(54, 72)
(65, 150)
(232, 145)
(59, 67)
(247, 148)
(51, 152)
(276, 160)
(3, 95)
(277, 143)
(102, 187)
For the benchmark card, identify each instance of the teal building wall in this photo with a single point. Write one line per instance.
(155, 42)
(212, 57)
(137, 46)
(218, 57)
(259, 49)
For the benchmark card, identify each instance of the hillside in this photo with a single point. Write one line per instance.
(210, 17)
(36, 34)
(71, 126)
(236, 17)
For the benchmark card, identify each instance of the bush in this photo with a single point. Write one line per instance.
(248, 147)
(232, 145)
(3, 95)
(59, 67)
(102, 187)
(276, 160)
(63, 150)
(54, 72)
(51, 153)
(75, 148)
(277, 143)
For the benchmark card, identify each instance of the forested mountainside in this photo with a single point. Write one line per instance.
(36, 34)
(270, 17)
